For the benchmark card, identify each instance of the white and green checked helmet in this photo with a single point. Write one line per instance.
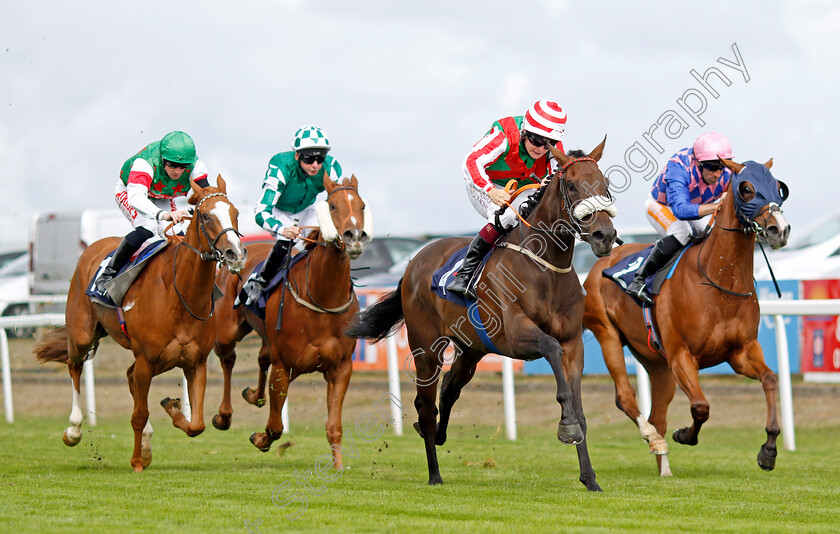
(310, 136)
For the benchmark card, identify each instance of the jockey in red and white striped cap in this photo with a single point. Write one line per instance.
(515, 148)
(546, 118)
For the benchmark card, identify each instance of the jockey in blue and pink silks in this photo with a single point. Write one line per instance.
(515, 148)
(682, 200)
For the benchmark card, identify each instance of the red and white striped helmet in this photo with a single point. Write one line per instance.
(545, 118)
(710, 146)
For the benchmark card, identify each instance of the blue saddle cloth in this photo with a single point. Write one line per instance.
(445, 274)
(258, 306)
(622, 273)
(129, 272)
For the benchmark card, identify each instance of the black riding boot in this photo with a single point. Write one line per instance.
(662, 252)
(118, 260)
(269, 269)
(460, 285)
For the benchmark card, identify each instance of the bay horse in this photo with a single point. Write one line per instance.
(529, 298)
(168, 313)
(706, 313)
(317, 302)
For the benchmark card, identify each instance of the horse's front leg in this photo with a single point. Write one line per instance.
(573, 370)
(527, 341)
(278, 390)
(222, 419)
(196, 385)
(686, 371)
(754, 367)
(337, 381)
(140, 378)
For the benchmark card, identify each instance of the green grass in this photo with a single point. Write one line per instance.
(218, 481)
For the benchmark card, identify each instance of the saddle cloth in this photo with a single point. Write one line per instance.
(258, 307)
(118, 287)
(622, 273)
(445, 274)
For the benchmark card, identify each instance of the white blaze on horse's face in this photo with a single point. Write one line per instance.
(235, 261)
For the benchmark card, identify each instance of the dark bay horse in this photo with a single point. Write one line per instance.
(168, 317)
(530, 301)
(706, 314)
(317, 304)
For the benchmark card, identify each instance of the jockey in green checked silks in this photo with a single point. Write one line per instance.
(515, 148)
(291, 183)
(145, 191)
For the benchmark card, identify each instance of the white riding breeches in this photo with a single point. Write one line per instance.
(663, 221)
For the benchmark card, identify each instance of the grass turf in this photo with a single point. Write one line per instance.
(218, 482)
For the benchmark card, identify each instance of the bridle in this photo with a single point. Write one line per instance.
(214, 254)
(338, 242)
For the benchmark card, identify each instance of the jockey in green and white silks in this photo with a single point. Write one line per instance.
(292, 182)
(148, 184)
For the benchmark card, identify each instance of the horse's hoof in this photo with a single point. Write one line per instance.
(253, 439)
(164, 402)
(138, 468)
(260, 403)
(570, 434)
(147, 459)
(658, 446)
(435, 480)
(70, 441)
(682, 436)
(440, 435)
(221, 423)
(417, 428)
(591, 485)
(767, 458)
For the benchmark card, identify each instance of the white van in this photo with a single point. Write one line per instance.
(57, 239)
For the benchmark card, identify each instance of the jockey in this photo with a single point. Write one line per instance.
(292, 182)
(682, 201)
(148, 184)
(514, 149)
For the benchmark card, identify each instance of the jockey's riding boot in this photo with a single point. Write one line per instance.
(460, 285)
(118, 260)
(269, 269)
(662, 252)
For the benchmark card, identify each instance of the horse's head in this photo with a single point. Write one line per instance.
(217, 225)
(758, 198)
(585, 194)
(343, 217)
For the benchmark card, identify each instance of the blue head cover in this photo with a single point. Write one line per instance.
(767, 190)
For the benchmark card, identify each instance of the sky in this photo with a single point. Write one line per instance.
(404, 89)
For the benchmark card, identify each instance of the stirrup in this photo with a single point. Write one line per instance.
(459, 287)
(640, 293)
(254, 289)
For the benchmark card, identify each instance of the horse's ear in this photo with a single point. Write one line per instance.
(195, 187)
(220, 183)
(731, 165)
(599, 150)
(329, 185)
(769, 163)
(354, 182)
(559, 156)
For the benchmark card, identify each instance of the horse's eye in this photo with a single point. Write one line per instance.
(572, 188)
(205, 217)
(332, 207)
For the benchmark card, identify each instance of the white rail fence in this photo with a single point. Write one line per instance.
(776, 308)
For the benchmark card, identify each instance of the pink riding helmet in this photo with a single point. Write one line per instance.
(712, 145)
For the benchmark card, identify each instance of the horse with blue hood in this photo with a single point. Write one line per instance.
(706, 313)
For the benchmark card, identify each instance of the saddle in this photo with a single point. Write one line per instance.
(118, 287)
(258, 306)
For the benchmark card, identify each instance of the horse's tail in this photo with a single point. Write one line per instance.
(381, 319)
(52, 346)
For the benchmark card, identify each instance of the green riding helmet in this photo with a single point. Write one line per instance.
(311, 137)
(178, 147)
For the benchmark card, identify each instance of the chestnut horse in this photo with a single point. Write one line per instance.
(706, 313)
(168, 313)
(317, 302)
(530, 300)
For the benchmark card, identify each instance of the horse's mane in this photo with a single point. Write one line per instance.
(576, 153)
